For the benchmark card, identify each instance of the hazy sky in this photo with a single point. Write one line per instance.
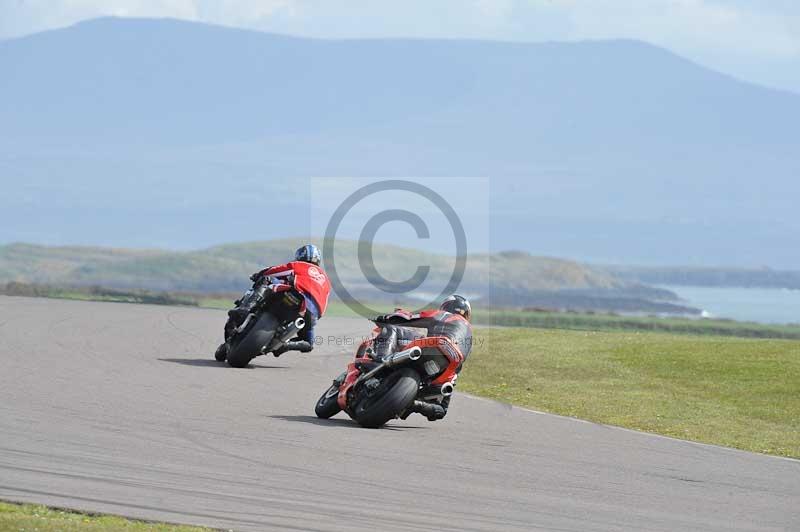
(757, 40)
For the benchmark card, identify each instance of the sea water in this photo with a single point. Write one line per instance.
(762, 305)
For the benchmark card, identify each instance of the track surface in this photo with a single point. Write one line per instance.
(121, 409)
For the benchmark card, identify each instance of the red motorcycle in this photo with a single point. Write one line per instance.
(374, 391)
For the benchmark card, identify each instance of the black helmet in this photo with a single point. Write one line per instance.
(308, 253)
(456, 304)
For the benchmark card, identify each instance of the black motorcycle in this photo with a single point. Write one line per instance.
(264, 319)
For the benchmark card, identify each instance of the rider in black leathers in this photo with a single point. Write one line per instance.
(451, 320)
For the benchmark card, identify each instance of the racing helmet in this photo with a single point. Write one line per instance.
(457, 304)
(308, 253)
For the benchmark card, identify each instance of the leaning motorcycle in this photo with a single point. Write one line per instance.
(269, 314)
(374, 391)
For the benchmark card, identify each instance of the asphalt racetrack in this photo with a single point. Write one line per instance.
(121, 409)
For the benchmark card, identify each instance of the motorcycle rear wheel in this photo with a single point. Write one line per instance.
(402, 387)
(242, 351)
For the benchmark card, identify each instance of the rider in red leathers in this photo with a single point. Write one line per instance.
(310, 280)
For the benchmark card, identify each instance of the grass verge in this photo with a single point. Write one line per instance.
(27, 517)
(98, 293)
(741, 393)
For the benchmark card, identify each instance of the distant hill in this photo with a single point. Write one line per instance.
(137, 133)
(504, 279)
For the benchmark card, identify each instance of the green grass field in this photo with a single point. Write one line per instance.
(585, 322)
(613, 322)
(30, 518)
(742, 393)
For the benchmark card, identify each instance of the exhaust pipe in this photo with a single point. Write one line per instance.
(284, 335)
(398, 358)
(447, 389)
(403, 356)
(435, 393)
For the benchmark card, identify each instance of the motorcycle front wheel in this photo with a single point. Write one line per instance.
(328, 404)
(221, 353)
(396, 393)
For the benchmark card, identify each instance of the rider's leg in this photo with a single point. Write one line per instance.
(406, 335)
(445, 404)
(384, 344)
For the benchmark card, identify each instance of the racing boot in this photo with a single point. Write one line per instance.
(294, 345)
(432, 411)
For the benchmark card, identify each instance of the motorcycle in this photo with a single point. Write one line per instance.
(269, 314)
(374, 391)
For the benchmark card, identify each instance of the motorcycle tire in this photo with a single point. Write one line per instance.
(328, 404)
(221, 353)
(243, 350)
(401, 388)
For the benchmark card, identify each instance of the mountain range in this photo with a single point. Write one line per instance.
(162, 133)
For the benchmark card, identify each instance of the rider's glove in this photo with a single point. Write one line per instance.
(255, 276)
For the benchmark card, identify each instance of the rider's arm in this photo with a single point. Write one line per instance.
(282, 270)
(421, 320)
(399, 316)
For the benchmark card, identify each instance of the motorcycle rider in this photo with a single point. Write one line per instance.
(451, 320)
(311, 281)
